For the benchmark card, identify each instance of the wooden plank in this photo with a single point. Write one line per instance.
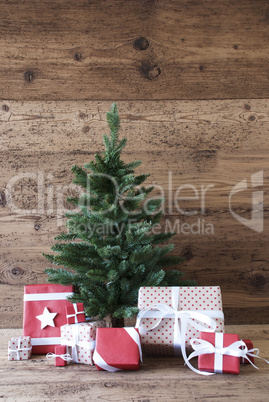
(195, 126)
(136, 50)
(195, 143)
(158, 378)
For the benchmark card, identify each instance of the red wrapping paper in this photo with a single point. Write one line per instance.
(117, 348)
(249, 346)
(50, 299)
(73, 317)
(60, 350)
(231, 364)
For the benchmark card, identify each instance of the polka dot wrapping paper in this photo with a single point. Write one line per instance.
(200, 299)
(80, 340)
(19, 348)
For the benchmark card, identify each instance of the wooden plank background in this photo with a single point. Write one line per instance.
(167, 49)
(191, 81)
(198, 142)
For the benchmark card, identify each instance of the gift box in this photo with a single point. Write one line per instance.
(250, 347)
(80, 340)
(220, 353)
(164, 310)
(219, 362)
(44, 313)
(60, 356)
(19, 348)
(117, 349)
(75, 313)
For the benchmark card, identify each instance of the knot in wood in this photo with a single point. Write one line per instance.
(141, 43)
(111, 384)
(5, 108)
(83, 116)
(86, 129)
(29, 76)
(150, 71)
(16, 271)
(187, 254)
(3, 200)
(37, 226)
(78, 56)
(258, 281)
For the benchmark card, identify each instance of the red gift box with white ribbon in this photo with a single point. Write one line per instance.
(219, 362)
(44, 313)
(220, 353)
(75, 313)
(60, 356)
(117, 349)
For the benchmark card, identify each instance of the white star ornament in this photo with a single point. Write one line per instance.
(46, 318)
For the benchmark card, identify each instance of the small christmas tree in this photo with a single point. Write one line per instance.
(110, 249)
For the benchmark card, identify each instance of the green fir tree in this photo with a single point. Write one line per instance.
(110, 249)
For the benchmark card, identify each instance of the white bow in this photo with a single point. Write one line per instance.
(66, 357)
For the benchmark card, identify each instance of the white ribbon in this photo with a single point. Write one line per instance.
(76, 313)
(205, 347)
(218, 361)
(136, 338)
(66, 357)
(46, 341)
(76, 342)
(102, 363)
(19, 349)
(47, 296)
(252, 353)
(97, 358)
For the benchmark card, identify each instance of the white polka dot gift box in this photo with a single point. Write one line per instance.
(171, 316)
(19, 348)
(80, 340)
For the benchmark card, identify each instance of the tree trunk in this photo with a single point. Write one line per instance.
(117, 322)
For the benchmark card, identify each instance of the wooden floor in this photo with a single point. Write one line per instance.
(159, 379)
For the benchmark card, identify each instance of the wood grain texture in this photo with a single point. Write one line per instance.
(133, 50)
(159, 379)
(197, 143)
